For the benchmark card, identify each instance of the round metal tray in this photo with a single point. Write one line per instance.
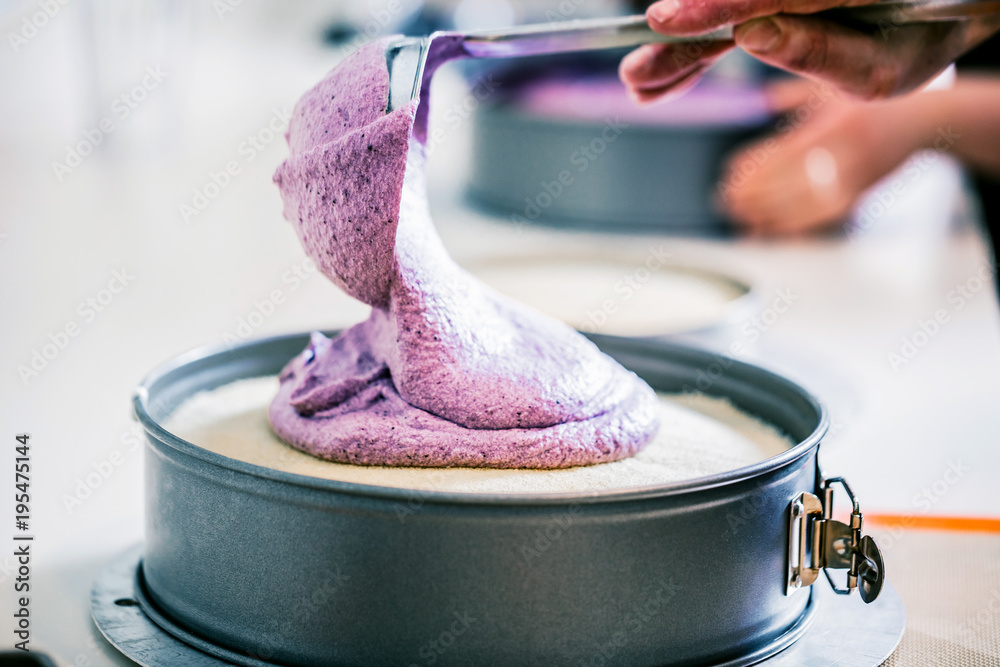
(843, 632)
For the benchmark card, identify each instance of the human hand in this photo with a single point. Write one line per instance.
(810, 173)
(889, 59)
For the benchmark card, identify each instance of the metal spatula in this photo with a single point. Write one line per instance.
(412, 61)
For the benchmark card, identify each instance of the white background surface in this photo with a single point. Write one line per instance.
(896, 431)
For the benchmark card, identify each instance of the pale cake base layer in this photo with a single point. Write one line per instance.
(620, 297)
(699, 435)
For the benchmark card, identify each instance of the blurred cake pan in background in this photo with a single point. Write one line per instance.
(571, 149)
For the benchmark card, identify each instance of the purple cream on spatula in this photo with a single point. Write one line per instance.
(445, 372)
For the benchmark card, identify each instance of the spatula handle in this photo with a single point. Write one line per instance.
(566, 36)
(609, 33)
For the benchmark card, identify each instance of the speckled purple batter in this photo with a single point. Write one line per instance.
(445, 372)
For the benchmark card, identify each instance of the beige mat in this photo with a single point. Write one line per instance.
(950, 585)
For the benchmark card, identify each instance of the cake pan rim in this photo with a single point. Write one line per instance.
(734, 311)
(548, 121)
(160, 433)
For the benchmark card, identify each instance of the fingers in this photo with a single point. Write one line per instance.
(694, 17)
(800, 205)
(791, 93)
(866, 65)
(890, 59)
(672, 89)
(809, 175)
(656, 65)
(654, 70)
(797, 182)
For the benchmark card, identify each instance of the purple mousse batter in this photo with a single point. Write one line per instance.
(445, 372)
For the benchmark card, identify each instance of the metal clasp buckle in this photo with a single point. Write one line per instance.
(818, 542)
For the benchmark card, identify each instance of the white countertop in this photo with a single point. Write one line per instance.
(181, 284)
